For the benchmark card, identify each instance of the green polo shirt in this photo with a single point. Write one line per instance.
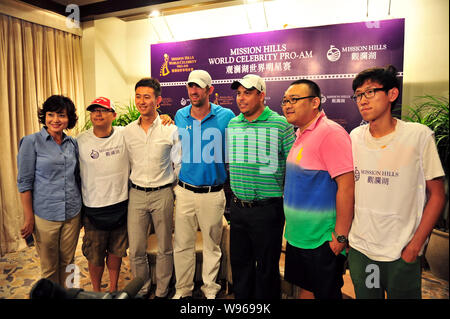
(257, 153)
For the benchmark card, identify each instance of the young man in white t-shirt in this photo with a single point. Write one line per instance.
(104, 170)
(399, 192)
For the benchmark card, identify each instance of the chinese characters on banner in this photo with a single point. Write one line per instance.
(329, 55)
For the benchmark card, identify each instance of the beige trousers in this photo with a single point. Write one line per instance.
(194, 210)
(56, 243)
(144, 209)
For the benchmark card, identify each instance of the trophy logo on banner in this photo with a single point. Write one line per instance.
(165, 67)
(333, 54)
(216, 99)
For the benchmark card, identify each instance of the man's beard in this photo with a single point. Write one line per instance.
(200, 102)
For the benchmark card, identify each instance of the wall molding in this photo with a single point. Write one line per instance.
(37, 15)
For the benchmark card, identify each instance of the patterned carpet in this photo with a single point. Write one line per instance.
(20, 270)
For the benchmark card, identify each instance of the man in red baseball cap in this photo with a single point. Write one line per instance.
(104, 170)
(102, 102)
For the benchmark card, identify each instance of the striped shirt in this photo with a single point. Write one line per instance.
(322, 152)
(257, 153)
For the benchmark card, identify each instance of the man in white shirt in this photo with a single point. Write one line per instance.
(104, 170)
(154, 159)
(399, 192)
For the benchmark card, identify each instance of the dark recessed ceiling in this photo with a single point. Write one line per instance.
(89, 9)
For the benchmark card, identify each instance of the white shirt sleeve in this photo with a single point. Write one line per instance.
(432, 167)
(175, 153)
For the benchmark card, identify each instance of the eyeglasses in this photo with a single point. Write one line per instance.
(103, 111)
(294, 100)
(370, 93)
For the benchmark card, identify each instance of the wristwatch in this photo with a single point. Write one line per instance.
(340, 238)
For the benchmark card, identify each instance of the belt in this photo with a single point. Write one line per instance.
(256, 203)
(149, 189)
(200, 189)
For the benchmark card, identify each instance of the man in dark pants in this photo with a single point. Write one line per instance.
(259, 141)
(318, 195)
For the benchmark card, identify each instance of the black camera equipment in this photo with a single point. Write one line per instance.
(47, 289)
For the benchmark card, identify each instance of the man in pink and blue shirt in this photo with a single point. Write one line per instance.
(318, 195)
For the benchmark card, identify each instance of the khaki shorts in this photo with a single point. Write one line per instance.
(98, 243)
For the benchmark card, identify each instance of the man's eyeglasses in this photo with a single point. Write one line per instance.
(294, 100)
(101, 110)
(370, 93)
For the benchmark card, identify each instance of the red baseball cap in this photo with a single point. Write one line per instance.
(102, 102)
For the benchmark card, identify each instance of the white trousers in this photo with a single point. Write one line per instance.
(194, 210)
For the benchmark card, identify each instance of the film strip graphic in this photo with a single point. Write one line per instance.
(281, 78)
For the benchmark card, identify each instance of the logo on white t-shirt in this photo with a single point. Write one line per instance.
(357, 174)
(94, 154)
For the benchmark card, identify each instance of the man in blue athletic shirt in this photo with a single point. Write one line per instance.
(200, 198)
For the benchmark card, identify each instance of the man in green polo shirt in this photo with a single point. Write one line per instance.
(259, 141)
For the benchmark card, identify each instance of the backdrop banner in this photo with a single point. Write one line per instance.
(330, 55)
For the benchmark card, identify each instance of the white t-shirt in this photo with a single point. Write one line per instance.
(431, 161)
(104, 168)
(390, 187)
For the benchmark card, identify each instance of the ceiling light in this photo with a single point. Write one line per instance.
(154, 14)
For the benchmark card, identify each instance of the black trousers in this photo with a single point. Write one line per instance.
(255, 248)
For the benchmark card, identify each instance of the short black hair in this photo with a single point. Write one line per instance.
(314, 89)
(59, 103)
(152, 83)
(385, 76)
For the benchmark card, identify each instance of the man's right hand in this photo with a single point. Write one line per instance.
(166, 120)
